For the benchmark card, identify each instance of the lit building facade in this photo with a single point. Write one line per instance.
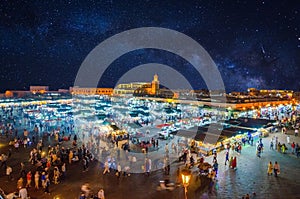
(39, 89)
(90, 91)
(265, 92)
(129, 88)
(153, 90)
(134, 88)
(17, 94)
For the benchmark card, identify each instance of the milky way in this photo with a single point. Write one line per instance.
(254, 43)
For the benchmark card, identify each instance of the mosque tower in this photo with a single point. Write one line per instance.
(155, 85)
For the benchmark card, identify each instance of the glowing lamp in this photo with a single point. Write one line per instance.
(186, 177)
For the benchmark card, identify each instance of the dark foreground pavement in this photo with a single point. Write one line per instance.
(250, 176)
(136, 186)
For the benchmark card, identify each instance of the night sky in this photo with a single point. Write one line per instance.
(253, 43)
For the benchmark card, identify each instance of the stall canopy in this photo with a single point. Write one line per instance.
(134, 125)
(114, 127)
(101, 116)
(172, 110)
(199, 135)
(136, 113)
(214, 130)
(106, 122)
(162, 125)
(249, 122)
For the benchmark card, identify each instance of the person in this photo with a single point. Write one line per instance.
(173, 148)
(47, 185)
(86, 189)
(293, 145)
(36, 180)
(43, 179)
(84, 164)
(215, 167)
(276, 143)
(244, 141)
(106, 167)
(23, 193)
(279, 147)
(271, 145)
(258, 151)
(247, 196)
(133, 160)
(28, 176)
(214, 156)
(75, 158)
(283, 130)
(270, 168)
(257, 144)
(16, 145)
(239, 149)
(212, 174)
(126, 171)
(101, 194)
(75, 138)
(283, 148)
(276, 169)
(20, 183)
(56, 175)
(167, 148)
(63, 171)
(82, 196)
(192, 161)
(70, 156)
(261, 146)
(119, 170)
(297, 151)
(3, 160)
(147, 166)
(165, 166)
(234, 163)
(8, 173)
(232, 147)
(227, 157)
(288, 139)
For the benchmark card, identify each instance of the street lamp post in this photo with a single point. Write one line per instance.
(186, 176)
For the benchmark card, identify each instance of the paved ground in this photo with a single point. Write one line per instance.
(251, 176)
(137, 186)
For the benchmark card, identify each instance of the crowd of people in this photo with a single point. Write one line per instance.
(87, 193)
(290, 147)
(48, 158)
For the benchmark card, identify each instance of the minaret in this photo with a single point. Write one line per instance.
(155, 85)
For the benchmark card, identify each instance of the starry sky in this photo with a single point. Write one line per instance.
(253, 43)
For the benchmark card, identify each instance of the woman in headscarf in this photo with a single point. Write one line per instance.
(234, 163)
(276, 169)
(270, 168)
(283, 148)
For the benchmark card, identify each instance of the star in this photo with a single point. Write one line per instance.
(46, 40)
